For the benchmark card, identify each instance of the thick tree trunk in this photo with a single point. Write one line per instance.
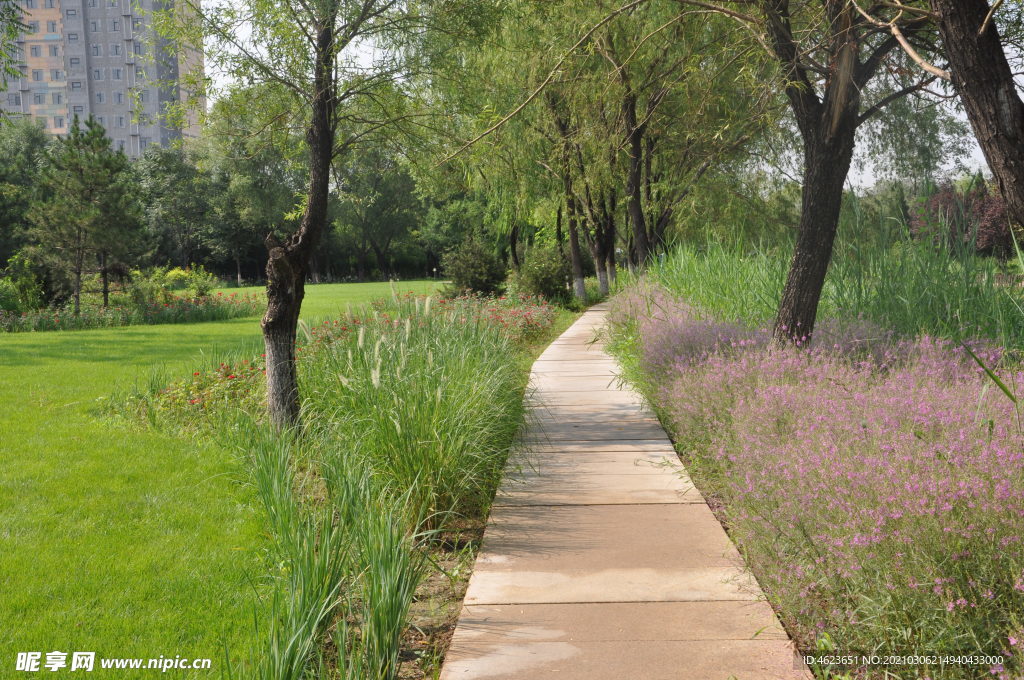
(382, 259)
(288, 262)
(984, 80)
(634, 198)
(826, 165)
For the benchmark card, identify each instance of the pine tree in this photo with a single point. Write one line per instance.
(84, 211)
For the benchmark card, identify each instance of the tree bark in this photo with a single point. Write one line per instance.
(380, 252)
(238, 269)
(634, 182)
(288, 262)
(983, 79)
(826, 165)
(576, 255)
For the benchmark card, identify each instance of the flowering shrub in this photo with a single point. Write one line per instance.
(874, 485)
(176, 310)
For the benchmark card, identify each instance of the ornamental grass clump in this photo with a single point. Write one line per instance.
(410, 407)
(875, 486)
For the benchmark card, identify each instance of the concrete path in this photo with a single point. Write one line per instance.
(600, 561)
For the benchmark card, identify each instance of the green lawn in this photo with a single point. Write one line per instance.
(125, 541)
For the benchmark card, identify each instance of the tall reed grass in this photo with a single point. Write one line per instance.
(907, 286)
(410, 407)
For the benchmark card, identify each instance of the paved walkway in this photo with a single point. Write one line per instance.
(600, 561)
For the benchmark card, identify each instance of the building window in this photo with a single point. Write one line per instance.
(113, 3)
(94, 26)
(137, 47)
(143, 143)
(119, 97)
(99, 97)
(58, 122)
(115, 24)
(75, 61)
(136, 24)
(142, 96)
(54, 51)
(33, 27)
(37, 76)
(14, 100)
(55, 74)
(115, 49)
(92, 3)
(120, 145)
(72, 37)
(51, 26)
(120, 121)
(76, 85)
(102, 121)
(77, 109)
(97, 74)
(57, 98)
(30, 4)
(72, 12)
(116, 74)
(96, 51)
(50, 4)
(38, 98)
(35, 51)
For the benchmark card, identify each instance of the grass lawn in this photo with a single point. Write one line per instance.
(125, 542)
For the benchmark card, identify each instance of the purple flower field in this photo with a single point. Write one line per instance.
(874, 485)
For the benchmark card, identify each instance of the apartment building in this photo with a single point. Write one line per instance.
(100, 58)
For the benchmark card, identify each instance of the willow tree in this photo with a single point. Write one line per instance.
(343, 68)
(975, 41)
(838, 71)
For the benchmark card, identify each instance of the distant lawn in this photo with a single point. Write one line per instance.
(126, 542)
(328, 299)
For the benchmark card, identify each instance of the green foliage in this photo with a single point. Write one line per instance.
(412, 405)
(84, 215)
(158, 284)
(20, 290)
(22, 142)
(177, 198)
(543, 271)
(9, 299)
(473, 266)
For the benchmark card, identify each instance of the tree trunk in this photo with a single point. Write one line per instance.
(634, 190)
(984, 81)
(826, 165)
(105, 276)
(238, 269)
(559, 234)
(578, 284)
(600, 268)
(288, 262)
